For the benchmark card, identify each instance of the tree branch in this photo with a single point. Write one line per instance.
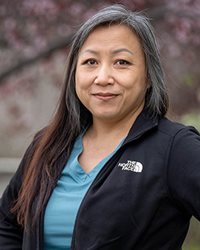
(156, 14)
(63, 43)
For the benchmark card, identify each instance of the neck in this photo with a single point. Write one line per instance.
(110, 129)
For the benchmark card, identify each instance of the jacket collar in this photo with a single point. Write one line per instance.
(142, 124)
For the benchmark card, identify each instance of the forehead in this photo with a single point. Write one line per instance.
(110, 36)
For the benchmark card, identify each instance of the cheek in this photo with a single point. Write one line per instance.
(136, 90)
(82, 80)
(81, 90)
(77, 88)
(77, 78)
(135, 84)
(79, 83)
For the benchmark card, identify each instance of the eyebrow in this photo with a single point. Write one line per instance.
(90, 51)
(116, 51)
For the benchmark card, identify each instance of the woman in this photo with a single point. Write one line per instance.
(109, 171)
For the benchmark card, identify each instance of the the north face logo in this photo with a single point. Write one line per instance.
(134, 166)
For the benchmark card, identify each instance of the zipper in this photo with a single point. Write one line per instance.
(93, 183)
(112, 160)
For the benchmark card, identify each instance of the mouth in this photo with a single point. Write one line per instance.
(105, 96)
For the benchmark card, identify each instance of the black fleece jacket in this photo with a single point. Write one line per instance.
(142, 199)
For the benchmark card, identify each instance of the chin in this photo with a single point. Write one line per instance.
(106, 117)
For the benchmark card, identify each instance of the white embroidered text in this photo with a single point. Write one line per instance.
(134, 166)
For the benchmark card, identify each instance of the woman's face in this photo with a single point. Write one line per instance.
(111, 75)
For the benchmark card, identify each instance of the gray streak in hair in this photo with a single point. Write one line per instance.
(156, 97)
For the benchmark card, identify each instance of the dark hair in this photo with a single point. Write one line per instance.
(56, 140)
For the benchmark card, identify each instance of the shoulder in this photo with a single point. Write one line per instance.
(183, 165)
(184, 146)
(175, 129)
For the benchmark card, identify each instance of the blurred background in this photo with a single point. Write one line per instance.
(34, 41)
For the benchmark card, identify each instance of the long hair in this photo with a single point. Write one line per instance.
(54, 142)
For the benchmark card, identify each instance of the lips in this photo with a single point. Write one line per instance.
(105, 96)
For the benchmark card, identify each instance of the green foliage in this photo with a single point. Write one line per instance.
(191, 247)
(192, 119)
(189, 80)
(192, 241)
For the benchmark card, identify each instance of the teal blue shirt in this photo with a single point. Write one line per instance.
(63, 205)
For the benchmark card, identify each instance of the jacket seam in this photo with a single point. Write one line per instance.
(171, 146)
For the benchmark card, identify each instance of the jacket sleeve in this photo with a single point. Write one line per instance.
(11, 233)
(184, 170)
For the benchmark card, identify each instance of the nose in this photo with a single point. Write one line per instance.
(104, 76)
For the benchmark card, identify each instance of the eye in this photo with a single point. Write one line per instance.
(90, 62)
(122, 62)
